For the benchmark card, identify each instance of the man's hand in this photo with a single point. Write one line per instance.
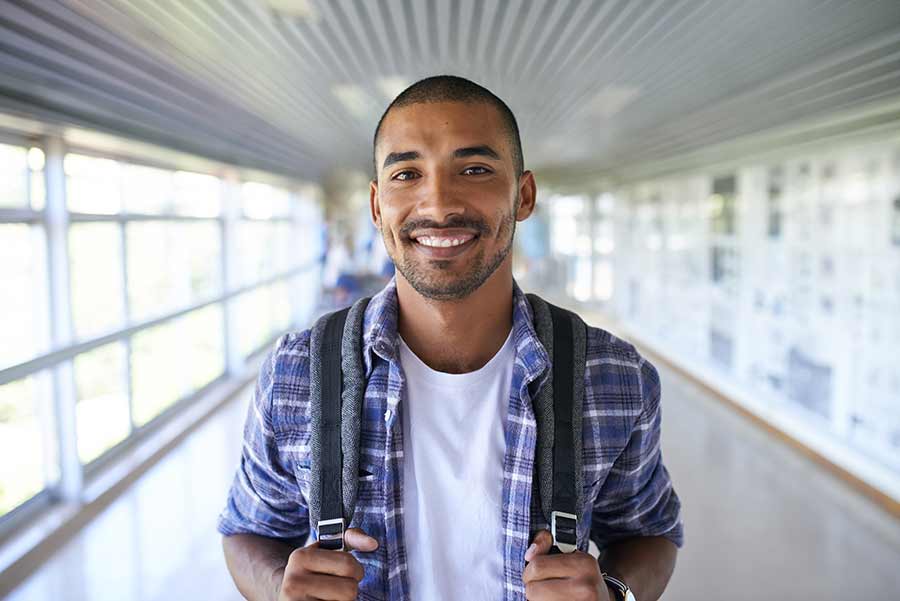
(562, 577)
(314, 573)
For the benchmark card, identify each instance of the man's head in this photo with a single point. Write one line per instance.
(449, 171)
(450, 88)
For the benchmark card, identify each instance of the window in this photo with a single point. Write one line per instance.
(197, 195)
(171, 264)
(95, 273)
(21, 177)
(24, 315)
(173, 359)
(145, 244)
(101, 412)
(147, 190)
(92, 185)
(265, 236)
(26, 433)
(158, 371)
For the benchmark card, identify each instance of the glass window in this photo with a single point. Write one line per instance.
(257, 251)
(147, 190)
(13, 176)
(23, 315)
(254, 320)
(26, 433)
(262, 201)
(171, 265)
(174, 359)
(37, 190)
(157, 362)
(281, 307)
(102, 407)
(95, 258)
(92, 185)
(203, 331)
(197, 194)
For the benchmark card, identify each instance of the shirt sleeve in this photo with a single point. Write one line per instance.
(637, 498)
(264, 498)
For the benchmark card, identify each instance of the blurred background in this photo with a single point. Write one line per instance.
(181, 182)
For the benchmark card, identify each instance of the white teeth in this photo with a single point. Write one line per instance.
(441, 242)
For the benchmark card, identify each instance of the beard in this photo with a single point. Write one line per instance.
(432, 278)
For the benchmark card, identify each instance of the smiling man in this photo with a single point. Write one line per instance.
(446, 506)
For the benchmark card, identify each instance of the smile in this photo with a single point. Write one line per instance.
(440, 245)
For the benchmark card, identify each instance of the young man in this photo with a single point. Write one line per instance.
(445, 506)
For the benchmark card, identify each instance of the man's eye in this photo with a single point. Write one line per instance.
(476, 170)
(405, 175)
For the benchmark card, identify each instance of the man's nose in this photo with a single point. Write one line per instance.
(440, 199)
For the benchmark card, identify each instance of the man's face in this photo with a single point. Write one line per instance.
(447, 197)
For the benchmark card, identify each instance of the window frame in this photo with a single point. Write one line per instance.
(63, 348)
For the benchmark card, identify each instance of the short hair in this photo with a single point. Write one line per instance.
(451, 88)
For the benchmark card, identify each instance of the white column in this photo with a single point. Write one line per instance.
(231, 214)
(61, 331)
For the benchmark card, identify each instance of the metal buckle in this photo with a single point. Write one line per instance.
(564, 529)
(331, 534)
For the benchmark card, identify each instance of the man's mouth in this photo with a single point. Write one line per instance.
(443, 244)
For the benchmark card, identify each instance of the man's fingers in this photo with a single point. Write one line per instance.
(328, 587)
(546, 567)
(356, 539)
(323, 561)
(541, 544)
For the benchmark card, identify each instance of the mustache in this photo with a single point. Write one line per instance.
(455, 221)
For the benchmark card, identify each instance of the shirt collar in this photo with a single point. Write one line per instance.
(380, 332)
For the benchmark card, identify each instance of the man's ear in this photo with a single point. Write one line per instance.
(374, 209)
(527, 196)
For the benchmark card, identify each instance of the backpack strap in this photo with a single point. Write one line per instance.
(337, 385)
(558, 411)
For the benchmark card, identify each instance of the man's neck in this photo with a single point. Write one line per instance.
(457, 336)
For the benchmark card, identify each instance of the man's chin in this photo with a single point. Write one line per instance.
(443, 285)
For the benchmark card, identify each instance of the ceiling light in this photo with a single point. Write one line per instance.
(612, 99)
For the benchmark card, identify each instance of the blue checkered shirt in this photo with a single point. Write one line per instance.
(627, 489)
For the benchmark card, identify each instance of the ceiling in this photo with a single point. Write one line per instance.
(296, 86)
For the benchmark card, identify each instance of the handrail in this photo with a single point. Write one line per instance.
(56, 356)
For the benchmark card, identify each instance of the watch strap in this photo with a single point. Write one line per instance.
(622, 590)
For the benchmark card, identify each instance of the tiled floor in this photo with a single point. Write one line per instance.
(762, 522)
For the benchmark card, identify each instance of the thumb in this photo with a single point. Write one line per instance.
(543, 540)
(357, 540)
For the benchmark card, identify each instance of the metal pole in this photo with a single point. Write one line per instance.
(61, 331)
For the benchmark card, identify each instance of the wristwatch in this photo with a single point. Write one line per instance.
(623, 593)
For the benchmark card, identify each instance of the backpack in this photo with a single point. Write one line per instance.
(337, 386)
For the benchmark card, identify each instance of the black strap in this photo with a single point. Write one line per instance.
(332, 461)
(564, 499)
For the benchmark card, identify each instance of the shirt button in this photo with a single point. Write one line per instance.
(387, 415)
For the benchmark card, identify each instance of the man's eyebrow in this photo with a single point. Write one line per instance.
(396, 157)
(470, 151)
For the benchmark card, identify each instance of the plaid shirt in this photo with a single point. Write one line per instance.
(627, 489)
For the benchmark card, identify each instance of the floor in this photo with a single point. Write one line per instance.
(761, 521)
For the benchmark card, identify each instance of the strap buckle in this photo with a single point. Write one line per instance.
(331, 534)
(564, 529)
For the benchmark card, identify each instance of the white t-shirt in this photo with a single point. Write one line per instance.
(454, 444)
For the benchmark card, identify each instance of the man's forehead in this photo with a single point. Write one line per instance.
(438, 123)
